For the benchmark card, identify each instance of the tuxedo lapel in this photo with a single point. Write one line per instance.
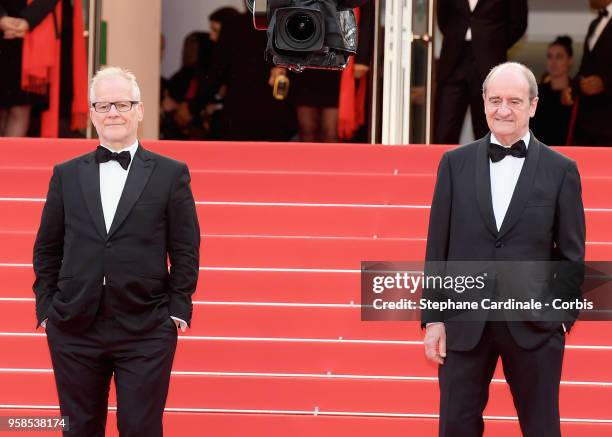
(140, 171)
(523, 187)
(585, 48)
(89, 177)
(603, 36)
(478, 3)
(592, 26)
(483, 185)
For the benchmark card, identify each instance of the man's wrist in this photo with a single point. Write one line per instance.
(427, 325)
(181, 323)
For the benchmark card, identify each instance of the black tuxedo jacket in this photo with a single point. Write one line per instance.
(155, 221)
(595, 112)
(496, 26)
(545, 221)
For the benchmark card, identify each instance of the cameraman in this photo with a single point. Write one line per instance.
(250, 111)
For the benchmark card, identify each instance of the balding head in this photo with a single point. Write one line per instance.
(513, 68)
(510, 99)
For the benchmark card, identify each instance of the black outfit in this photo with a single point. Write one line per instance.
(315, 88)
(250, 111)
(124, 326)
(593, 125)
(552, 118)
(178, 87)
(179, 83)
(544, 221)
(496, 26)
(11, 50)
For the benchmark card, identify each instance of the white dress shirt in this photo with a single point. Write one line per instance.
(600, 28)
(504, 175)
(112, 182)
(468, 34)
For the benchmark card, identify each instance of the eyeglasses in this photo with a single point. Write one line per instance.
(123, 106)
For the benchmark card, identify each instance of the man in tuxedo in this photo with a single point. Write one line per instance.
(111, 308)
(477, 36)
(594, 82)
(503, 199)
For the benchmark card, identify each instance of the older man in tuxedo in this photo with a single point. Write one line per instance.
(503, 199)
(111, 307)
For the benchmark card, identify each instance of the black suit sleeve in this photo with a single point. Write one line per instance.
(569, 220)
(570, 235)
(442, 10)
(439, 215)
(438, 234)
(183, 246)
(49, 247)
(36, 11)
(517, 20)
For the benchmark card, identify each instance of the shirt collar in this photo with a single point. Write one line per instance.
(609, 8)
(525, 139)
(131, 148)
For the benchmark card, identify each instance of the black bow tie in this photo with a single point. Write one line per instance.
(497, 152)
(105, 155)
(602, 13)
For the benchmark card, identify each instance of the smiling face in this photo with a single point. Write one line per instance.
(508, 106)
(116, 130)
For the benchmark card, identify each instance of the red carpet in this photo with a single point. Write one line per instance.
(277, 346)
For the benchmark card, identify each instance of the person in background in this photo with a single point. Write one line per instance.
(355, 85)
(315, 94)
(250, 112)
(16, 19)
(592, 90)
(477, 36)
(179, 122)
(213, 112)
(43, 63)
(216, 20)
(552, 118)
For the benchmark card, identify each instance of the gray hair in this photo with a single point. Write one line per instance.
(114, 71)
(531, 80)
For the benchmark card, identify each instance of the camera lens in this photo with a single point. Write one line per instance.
(299, 30)
(301, 27)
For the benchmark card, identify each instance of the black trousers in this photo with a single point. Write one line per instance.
(461, 89)
(533, 375)
(84, 363)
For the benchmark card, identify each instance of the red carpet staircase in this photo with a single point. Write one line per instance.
(277, 347)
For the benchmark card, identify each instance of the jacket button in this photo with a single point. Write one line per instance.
(108, 244)
(499, 244)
